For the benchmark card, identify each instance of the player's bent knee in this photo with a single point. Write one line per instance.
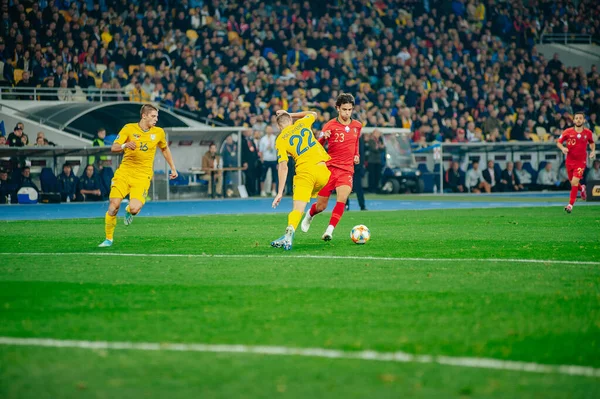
(134, 209)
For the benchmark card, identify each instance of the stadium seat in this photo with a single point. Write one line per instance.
(48, 181)
(192, 35)
(423, 168)
(132, 68)
(497, 170)
(18, 75)
(15, 176)
(106, 175)
(150, 70)
(527, 166)
(542, 165)
(179, 181)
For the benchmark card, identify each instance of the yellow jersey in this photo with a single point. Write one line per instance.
(299, 141)
(141, 160)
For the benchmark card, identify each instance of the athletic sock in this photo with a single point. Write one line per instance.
(338, 211)
(110, 222)
(313, 210)
(294, 218)
(573, 196)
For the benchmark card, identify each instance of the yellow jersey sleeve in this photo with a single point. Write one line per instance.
(123, 135)
(282, 150)
(307, 121)
(162, 142)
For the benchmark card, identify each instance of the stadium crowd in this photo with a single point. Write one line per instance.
(458, 71)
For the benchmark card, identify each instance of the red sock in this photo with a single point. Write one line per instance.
(313, 210)
(579, 187)
(338, 211)
(573, 198)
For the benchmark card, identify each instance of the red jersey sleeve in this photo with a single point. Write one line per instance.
(590, 137)
(563, 136)
(322, 139)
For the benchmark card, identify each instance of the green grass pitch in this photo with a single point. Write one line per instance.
(546, 313)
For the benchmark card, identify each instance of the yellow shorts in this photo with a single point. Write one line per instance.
(123, 183)
(309, 181)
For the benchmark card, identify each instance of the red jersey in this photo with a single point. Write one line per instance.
(342, 143)
(577, 144)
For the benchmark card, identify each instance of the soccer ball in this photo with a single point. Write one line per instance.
(360, 234)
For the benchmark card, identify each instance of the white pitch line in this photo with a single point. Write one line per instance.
(397, 357)
(340, 257)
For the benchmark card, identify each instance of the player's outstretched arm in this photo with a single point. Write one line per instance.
(298, 115)
(282, 172)
(169, 158)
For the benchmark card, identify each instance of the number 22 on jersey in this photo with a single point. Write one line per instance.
(299, 141)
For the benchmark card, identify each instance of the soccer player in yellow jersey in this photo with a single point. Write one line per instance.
(133, 177)
(297, 139)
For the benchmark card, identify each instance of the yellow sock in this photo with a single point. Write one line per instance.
(294, 219)
(110, 222)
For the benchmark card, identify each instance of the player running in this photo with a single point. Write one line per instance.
(297, 140)
(577, 139)
(342, 135)
(133, 177)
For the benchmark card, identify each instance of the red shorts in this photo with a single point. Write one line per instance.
(339, 177)
(576, 170)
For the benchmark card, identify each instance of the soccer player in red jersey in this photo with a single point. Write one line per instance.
(577, 139)
(342, 135)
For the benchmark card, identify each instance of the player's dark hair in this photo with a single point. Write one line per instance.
(579, 113)
(146, 109)
(344, 98)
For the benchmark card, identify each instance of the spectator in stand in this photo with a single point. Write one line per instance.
(67, 184)
(229, 154)
(509, 181)
(563, 178)
(89, 186)
(211, 163)
(477, 63)
(594, 173)
(26, 180)
(375, 149)
(64, 93)
(7, 189)
(475, 181)
(523, 175)
(490, 177)
(40, 142)
(3, 142)
(268, 158)
(454, 179)
(15, 139)
(547, 179)
(250, 159)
